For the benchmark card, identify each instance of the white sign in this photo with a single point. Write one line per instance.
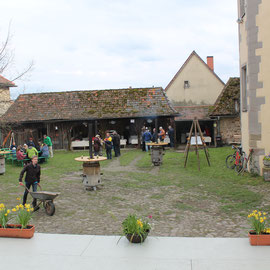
(193, 140)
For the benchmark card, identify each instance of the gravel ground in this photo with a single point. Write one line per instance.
(175, 212)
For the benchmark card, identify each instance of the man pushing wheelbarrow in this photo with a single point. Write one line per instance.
(32, 178)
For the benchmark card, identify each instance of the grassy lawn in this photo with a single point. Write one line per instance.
(183, 202)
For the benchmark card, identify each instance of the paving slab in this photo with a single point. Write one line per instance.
(63, 251)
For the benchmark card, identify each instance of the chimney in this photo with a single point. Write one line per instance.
(210, 62)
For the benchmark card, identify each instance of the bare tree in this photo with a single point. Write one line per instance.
(7, 58)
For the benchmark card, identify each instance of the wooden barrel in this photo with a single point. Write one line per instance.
(92, 168)
(2, 165)
(91, 171)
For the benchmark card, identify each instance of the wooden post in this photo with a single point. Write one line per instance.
(188, 145)
(197, 148)
(69, 127)
(204, 144)
(90, 135)
(96, 128)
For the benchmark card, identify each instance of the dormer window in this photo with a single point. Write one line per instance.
(186, 84)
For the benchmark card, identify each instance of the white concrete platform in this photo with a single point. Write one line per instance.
(68, 252)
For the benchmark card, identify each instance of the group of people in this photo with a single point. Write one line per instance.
(148, 137)
(110, 142)
(29, 149)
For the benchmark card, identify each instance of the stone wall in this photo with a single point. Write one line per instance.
(230, 130)
(5, 101)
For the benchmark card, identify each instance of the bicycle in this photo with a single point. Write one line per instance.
(237, 159)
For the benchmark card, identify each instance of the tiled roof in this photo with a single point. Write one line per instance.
(186, 62)
(225, 104)
(95, 104)
(188, 113)
(6, 82)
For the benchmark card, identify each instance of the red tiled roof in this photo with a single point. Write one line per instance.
(6, 82)
(96, 104)
(225, 104)
(188, 113)
(183, 66)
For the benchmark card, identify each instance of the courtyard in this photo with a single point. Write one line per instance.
(182, 202)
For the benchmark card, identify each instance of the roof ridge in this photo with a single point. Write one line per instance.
(77, 91)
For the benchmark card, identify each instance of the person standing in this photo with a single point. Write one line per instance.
(47, 140)
(116, 144)
(171, 136)
(108, 145)
(155, 136)
(143, 142)
(161, 134)
(97, 145)
(147, 138)
(32, 178)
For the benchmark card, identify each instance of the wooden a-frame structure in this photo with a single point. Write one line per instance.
(197, 131)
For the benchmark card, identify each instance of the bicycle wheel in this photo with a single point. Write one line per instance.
(240, 165)
(230, 162)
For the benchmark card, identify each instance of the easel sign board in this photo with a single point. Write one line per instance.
(193, 140)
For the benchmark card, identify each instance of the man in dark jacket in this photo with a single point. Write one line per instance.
(171, 136)
(155, 136)
(32, 178)
(147, 136)
(116, 144)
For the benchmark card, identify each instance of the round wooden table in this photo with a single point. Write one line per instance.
(2, 161)
(91, 171)
(157, 152)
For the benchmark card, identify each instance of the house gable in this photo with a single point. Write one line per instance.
(195, 83)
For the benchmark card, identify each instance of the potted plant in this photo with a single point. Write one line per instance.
(266, 161)
(260, 234)
(21, 229)
(135, 229)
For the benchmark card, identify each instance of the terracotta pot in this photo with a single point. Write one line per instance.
(259, 239)
(135, 238)
(15, 231)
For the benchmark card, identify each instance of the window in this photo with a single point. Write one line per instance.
(236, 105)
(186, 84)
(242, 8)
(244, 88)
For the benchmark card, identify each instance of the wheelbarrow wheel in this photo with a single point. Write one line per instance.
(49, 208)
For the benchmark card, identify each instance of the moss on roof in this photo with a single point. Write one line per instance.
(96, 104)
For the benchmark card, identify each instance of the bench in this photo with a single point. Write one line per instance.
(80, 144)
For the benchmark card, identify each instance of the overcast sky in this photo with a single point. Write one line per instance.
(101, 44)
